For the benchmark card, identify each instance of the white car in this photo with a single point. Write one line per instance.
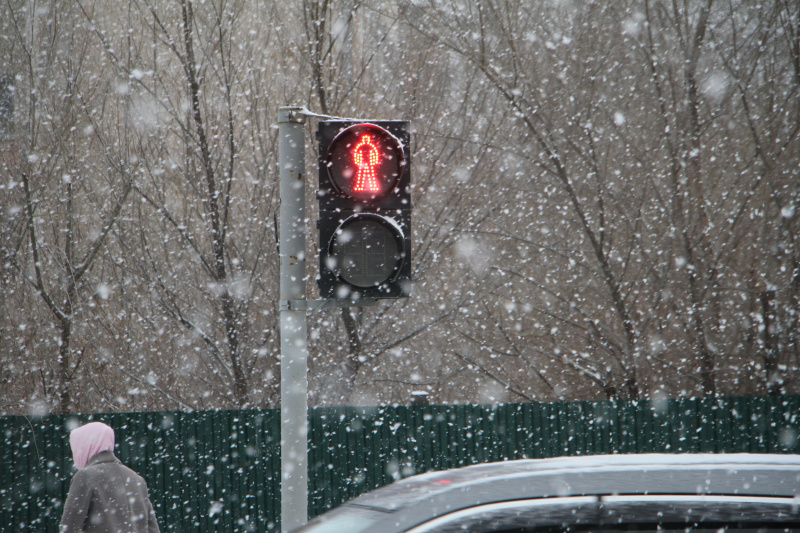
(712, 493)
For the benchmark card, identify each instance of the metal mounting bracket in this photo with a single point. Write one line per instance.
(316, 305)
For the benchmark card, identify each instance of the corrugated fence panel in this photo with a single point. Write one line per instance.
(399, 441)
(219, 470)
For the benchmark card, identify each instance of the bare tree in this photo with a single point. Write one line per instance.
(605, 199)
(209, 257)
(623, 116)
(70, 201)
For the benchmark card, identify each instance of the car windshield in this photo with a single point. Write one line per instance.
(584, 514)
(623, 514)
(663, 528)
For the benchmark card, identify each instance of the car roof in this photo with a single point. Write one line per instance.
(711, 474)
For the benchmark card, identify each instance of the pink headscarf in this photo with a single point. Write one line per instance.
(89, 440)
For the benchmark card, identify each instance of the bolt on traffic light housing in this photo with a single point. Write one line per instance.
(364, 209)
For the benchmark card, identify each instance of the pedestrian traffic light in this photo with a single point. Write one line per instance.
(364, 209)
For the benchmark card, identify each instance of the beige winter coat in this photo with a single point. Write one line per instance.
(108, 497)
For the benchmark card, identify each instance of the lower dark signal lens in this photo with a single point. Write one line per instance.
(368, 251)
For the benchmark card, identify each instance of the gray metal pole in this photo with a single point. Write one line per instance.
(293, 330)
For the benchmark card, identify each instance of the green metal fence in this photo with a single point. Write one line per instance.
(219, 470)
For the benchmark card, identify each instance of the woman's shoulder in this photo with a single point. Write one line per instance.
(108, 476)
(106, 464)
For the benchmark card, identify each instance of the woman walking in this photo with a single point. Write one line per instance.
(105, 496)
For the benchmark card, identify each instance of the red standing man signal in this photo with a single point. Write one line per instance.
(366, 158)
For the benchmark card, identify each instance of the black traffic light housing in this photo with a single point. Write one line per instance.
(364, 209)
